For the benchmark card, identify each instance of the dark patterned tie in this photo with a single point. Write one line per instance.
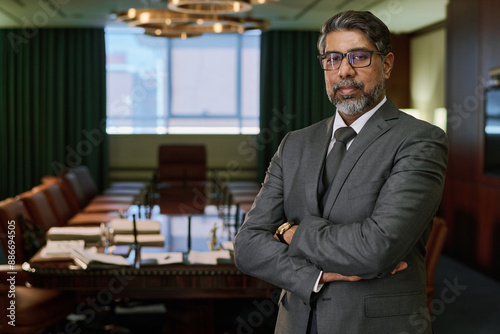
(342, 136)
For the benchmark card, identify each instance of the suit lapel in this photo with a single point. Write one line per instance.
(318, 143)
(376, 126)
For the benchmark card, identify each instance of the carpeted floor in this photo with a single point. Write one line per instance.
(465, 301)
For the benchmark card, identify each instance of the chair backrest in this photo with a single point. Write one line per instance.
(57, 201)
(73, 191)
(86, 182)
(182, 162)
(10, 212)
(39, 208)
(434, 247)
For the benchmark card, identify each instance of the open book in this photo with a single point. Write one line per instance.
(88, 260)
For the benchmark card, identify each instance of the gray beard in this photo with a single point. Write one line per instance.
(349, 106)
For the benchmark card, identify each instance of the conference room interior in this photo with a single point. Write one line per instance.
(63, 138)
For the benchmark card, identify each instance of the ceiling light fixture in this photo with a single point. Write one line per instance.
(191, 18)
(166, 23)
(214, 6)
(210, 6)
(169, 34)
(161, 22)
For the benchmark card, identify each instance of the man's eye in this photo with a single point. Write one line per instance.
(360, 56)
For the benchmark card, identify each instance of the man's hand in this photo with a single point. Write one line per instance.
(288, 235)
(334, 277)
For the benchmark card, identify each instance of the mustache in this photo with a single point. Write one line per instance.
(348, 82)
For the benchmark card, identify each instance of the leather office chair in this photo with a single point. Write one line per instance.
(122, 195)
(181, 178)
(63, 212)
(80, 200)
(39, 209)
(434, 248)
(36, 309)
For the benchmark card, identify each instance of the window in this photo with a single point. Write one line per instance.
(207, 84)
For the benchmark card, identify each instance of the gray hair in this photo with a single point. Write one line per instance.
(371, 26)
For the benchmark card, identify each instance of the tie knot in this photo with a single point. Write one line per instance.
(345, 134)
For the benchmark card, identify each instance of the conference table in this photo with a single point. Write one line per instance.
(186, 289)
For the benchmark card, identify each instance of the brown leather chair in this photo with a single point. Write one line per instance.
(80, 200)
(89, 189)
(36, 309)
(10, 210)
(62, 210)
(39, 209)
(181, 178)
(434, 248)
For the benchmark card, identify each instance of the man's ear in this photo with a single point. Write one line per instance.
(388, 64)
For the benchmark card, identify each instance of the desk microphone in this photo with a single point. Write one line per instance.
(135, 230)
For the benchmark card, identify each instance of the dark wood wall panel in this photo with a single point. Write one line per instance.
(398, 85)
(462, 78)
(471, 199)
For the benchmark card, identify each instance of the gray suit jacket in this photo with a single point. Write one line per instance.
(378, 212)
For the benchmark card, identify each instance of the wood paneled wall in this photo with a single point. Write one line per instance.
(398, 85)
(471, 200)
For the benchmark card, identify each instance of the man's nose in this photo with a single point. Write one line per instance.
(345, 69)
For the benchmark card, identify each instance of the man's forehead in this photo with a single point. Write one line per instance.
(347, 40)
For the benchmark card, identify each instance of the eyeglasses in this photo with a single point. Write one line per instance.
(332, 60)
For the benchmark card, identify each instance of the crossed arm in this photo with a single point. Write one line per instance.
(334, 277)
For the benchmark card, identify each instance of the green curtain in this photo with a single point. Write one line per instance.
(52, 105)
(292, 92)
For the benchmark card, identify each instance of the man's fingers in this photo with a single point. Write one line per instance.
(401, 266)
(335, 277)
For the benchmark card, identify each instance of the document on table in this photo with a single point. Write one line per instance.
(162, 258)
(196, 257)
(227, 245)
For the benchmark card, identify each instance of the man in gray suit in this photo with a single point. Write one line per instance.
(349, 254)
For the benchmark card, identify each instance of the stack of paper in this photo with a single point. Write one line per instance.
(147, 232)
(153, 240)
(91, 235)
(125, 226)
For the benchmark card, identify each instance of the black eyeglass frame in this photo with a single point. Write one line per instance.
(349, 59)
